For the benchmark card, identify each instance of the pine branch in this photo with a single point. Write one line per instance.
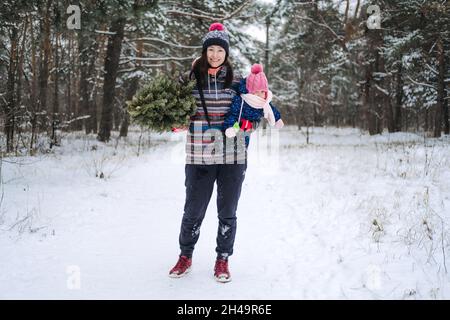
(176, 45)
(131, 59)
(105, 32)
(208, 16)
(422, 84)
(327, 27)
(382, 90)
(141, 67)
(431, 68)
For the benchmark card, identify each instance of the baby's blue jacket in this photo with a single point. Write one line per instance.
(249, 113)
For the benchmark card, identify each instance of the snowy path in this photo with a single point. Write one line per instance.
(305, 229)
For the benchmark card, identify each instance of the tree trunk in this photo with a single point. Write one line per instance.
(10, 108)
(44, 62)
(33, 89)
(20, 116)
(117, 116)
(55, 111)
(131, 91)
(124, 125)
(96, 53)
(20, 70)
(446, 119)
(84, 80)
(69, 109)
(132, 88)
(88, 55)
(441, 88)
(388, 108)
(399, 99)
(83, 53)
(111, 66)
(416, 115)
(370, 92)
(368, 105)
(380, 98)
(446, 113)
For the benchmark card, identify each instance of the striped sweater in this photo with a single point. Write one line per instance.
(207, 144)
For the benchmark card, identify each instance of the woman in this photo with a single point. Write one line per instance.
(211, 157)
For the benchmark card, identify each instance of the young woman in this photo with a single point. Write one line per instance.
(211, 157)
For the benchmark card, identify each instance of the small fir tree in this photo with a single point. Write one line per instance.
(163, 104)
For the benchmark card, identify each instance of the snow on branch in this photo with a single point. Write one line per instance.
(131, 59)
(289, 83)
(142, 66)
(105, 32)
(166, 42)
(380, 74)
(431, 68)
(291, 104)
(198, 11)
(310, 101)
(77, 119)
(194, 15)
(384, 91)
(326, 26)
(208, 16)
(422, 84)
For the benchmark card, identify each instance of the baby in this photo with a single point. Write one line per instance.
(253, 103)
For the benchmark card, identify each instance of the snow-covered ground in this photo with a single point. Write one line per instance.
(347, 216)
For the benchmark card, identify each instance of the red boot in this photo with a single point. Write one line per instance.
(221, 272)
(182, 267)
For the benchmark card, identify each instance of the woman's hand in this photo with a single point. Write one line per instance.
(279, 124)
(179, 129)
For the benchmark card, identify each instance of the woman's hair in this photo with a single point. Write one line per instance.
(200, 70)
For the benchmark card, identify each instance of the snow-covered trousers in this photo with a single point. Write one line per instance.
(199, 187)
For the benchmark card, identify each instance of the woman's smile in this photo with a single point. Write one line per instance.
(215, 55)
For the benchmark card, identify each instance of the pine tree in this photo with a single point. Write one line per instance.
(163, 104)
(329, 67)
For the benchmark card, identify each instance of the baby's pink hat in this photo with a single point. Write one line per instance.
(257, 80)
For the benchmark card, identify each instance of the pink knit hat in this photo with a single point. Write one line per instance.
(257, 80)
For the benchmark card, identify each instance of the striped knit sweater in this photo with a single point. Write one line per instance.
(208, 145)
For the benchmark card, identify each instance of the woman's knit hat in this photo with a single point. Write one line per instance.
(257, 80)
(217, 35)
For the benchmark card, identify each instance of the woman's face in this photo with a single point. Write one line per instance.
(215, 55)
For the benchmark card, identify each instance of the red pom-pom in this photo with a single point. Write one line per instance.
(257, 68)
(216, 26)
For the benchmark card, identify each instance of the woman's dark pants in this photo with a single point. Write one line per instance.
(199, 187)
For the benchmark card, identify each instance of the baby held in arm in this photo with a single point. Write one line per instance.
(254, 103)
(247, 109)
